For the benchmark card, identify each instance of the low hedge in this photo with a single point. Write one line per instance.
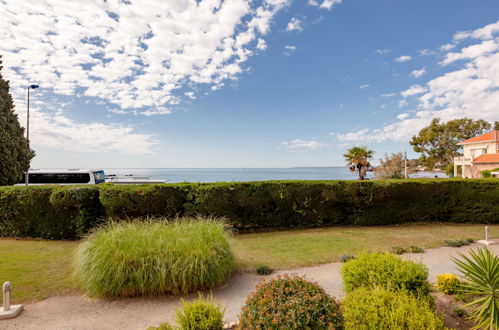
(67, 212)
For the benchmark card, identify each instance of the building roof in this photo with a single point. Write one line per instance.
(487, 158)
(487, 137)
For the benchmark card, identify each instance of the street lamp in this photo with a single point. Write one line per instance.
(27, 135)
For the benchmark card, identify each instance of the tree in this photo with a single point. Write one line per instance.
(358, 160)
(496, 125)
(437, 142)
(393, 167)
(13, 144)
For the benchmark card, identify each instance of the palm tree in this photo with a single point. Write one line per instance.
(481, 272)
(358, 160)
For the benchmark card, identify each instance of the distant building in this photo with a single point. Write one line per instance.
(480, 153)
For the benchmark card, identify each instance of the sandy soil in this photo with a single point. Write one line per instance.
(74, 311)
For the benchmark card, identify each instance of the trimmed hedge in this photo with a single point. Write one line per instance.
(68, 212)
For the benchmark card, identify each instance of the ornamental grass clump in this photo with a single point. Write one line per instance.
(290, 302)
(387, 271)
(154, 257)
(380, 308)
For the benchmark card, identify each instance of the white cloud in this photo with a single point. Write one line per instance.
(364, 86)
(404, 58)
(418, 73)
(326, 4)
(136, 56)
(413, 90)
(470, 91)
(304, 144)
(294, 25)
(402, 103)
(425, 52)
(472, 51)
(447, 47)
(388, 95)
(382, 51)
(289, 49)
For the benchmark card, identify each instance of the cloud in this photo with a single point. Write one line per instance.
(289, 49)
(425, 52)
(418, 73)
(404, 58)
(473, 51)
(364, 86)
(294, 25)
(447, 47)
(413, 90)
(382, 51)
(135, 56)
(388, 95)
(304, 144)
(471, 90)
(326, 4)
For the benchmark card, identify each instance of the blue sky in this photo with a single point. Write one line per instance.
(272, 83)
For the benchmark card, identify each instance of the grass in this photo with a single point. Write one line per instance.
(153, 257)
(39, 268)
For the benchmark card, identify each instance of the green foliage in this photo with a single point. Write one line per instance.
(357, 159)
(347, 257)
(13, 144)
(379, 308)
(200, 314)
(290, 302)
(393, 167)
(162, 326)
(416, 249)
(438, 142)
(487, 174)
(264, 270)
(481, 272)
(398, 250)
(36, 212)
(154, 257)
(448, 283)
(459, 312)
(458, 242)
(387, 271)
(449, 170)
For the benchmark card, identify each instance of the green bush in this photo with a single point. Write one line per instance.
(416, 249)
(398, 250)
(458, 242)
(154, 257)
(387, 271)
(290, 302)
(448, 283)
(52, 212)
(264, 270)
(162, 326)
(347, 257)
(384, 309)
(200, 314)
(459, 312)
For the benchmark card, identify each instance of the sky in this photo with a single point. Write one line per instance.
(269, 83)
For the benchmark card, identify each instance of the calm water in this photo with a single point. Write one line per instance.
(246, 174)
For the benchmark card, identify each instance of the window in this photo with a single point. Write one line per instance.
(99, 177)
(58, 178)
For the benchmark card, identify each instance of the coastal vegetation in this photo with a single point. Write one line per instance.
(14, 153)
(68, 212)
(393, 167)
(153, 257)
(41, 268)
(357, 159)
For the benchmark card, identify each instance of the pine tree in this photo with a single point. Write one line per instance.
(13, 144)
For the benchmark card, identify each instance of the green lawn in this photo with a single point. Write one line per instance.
(38, 269)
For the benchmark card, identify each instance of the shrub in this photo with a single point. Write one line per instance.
(398, 250)
(290, 302)
(459, 312)
(200, 314)
(154, 257)
(448, 283)
(416, 249)
(387, 271)
(384, 309)
(346, 257)
(481, 272)
(264, 270)
(162, 326)
(458, 242)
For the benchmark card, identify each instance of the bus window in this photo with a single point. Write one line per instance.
(58, 178)
(99, 177)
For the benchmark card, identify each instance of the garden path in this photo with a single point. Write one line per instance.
(73, 311)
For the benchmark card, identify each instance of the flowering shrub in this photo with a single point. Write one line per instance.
(448, 283)
(290, 302)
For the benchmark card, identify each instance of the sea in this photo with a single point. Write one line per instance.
(173, 175)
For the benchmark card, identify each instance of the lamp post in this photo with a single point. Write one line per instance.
(27, 135)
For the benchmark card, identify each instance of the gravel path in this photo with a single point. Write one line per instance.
(73, 311)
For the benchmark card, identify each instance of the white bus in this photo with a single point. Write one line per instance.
(63, 177)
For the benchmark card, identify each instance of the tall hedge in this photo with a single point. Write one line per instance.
(68, 212)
